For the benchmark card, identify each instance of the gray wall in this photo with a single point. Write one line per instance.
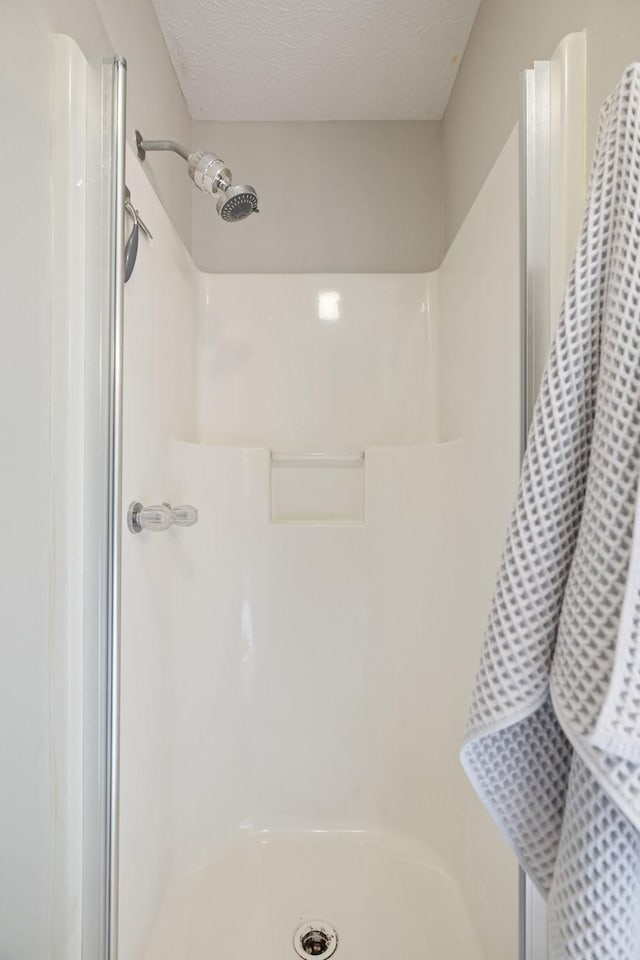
(506, 38)
(344, 197)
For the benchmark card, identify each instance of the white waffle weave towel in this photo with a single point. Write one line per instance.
(553, 740)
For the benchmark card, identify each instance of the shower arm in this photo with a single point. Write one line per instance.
(151, 145)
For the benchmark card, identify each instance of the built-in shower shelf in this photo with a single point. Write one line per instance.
(317, 486)
(288, 458)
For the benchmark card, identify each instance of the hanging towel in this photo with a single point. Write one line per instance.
(553, 739)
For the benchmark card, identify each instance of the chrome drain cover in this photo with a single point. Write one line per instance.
(315, 938)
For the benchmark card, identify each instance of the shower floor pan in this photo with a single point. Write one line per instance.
(382, 903)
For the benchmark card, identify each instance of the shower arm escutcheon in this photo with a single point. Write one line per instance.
(159, 517)
(151, 145)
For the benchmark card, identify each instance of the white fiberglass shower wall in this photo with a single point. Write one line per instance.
(291, 705)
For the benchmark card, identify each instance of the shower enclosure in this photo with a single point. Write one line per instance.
(295, 666)
(284, 683)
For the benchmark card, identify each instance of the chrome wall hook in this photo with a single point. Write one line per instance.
(131, 246)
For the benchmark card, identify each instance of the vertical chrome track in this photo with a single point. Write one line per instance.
(114, 508)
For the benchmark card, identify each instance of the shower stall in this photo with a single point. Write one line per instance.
(289, 648)
(295, 666)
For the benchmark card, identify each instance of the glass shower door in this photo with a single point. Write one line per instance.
(87, 204)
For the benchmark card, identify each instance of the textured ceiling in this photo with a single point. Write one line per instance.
(316, 59)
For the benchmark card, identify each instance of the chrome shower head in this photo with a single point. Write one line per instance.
(210, 175)
(237, 203)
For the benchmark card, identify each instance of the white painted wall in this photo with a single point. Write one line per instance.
(25, 761)
(480, 402)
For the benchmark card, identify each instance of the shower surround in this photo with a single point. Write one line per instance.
(295, 668)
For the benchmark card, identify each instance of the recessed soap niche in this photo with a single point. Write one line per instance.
(326, 488)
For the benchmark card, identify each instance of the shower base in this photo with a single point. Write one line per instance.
(379, 895)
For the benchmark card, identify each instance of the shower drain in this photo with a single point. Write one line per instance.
(315, 939)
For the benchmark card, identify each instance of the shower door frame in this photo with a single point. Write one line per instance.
(114, 505)
(110, 579)
(87, 150)
(552, 190)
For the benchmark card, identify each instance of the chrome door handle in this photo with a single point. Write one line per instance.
(160, 517)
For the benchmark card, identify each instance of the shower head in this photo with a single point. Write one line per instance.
(237, 203)
(212, 176)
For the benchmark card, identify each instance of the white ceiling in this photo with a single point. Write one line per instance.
(316, 59)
